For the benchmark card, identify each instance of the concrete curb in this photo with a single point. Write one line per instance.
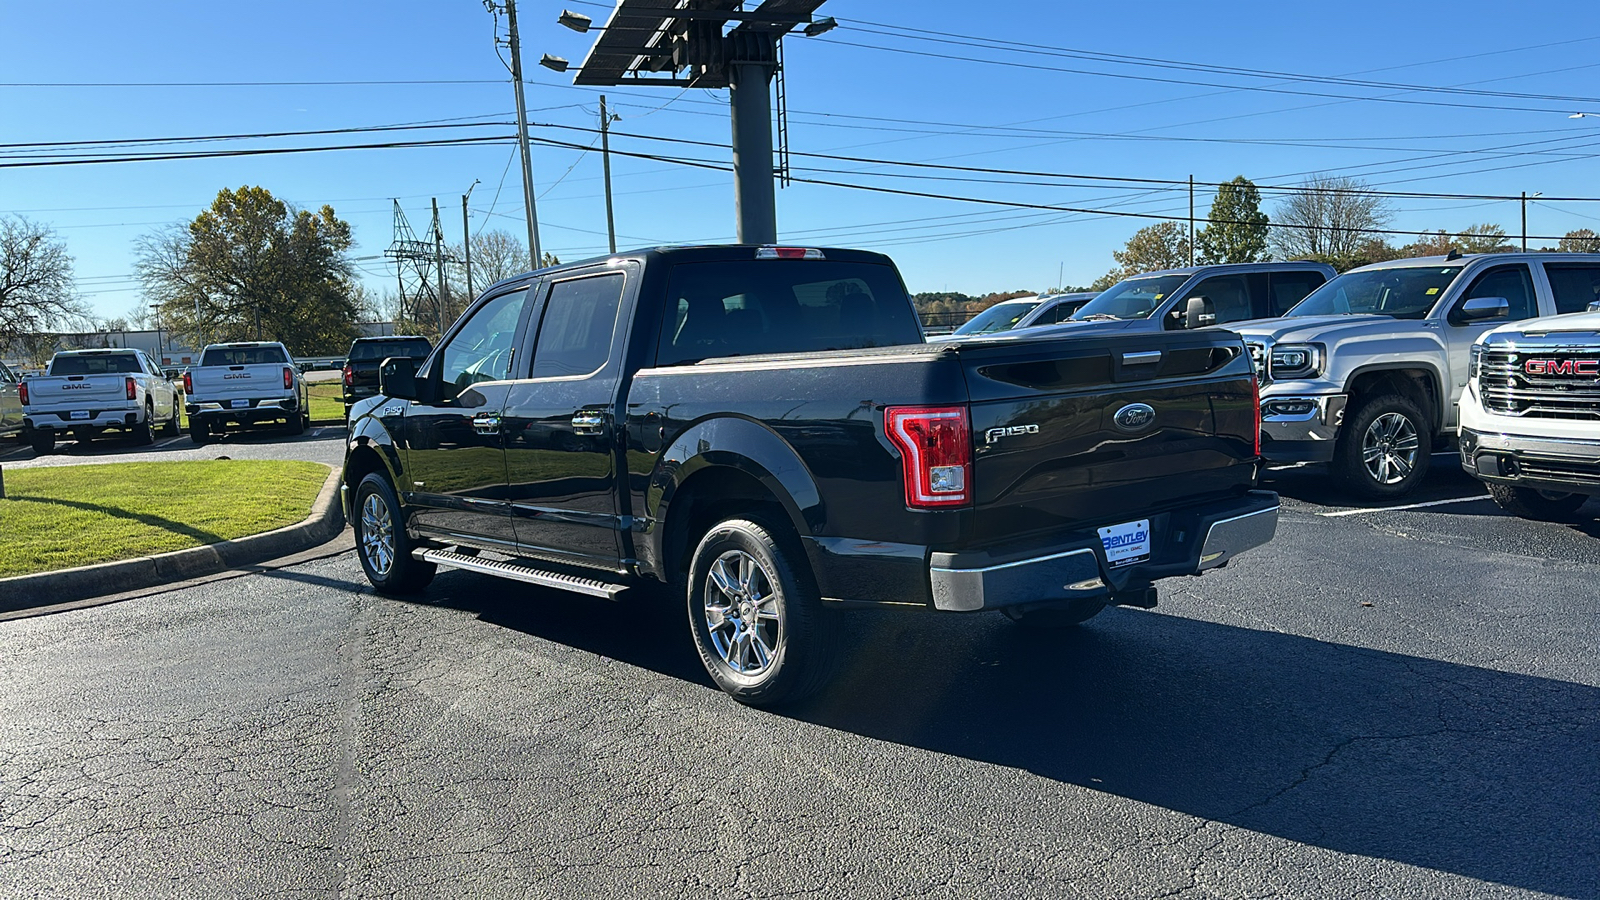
(46, 588)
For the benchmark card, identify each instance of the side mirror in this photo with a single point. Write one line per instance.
(1480, 308)
(1197, 313)
(397, 377)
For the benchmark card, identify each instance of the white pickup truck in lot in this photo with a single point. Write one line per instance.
(1530, 416)
(245, 383)
(1366, 373)
(86, 392)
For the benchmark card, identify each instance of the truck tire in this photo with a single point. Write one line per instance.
(1054, 618)
(174, 426)
(42, 440)
(382, 544)
(143, 433)
(756, 616)
(297, 422)
(1541, 506)
(1384, 448)
(199, 430)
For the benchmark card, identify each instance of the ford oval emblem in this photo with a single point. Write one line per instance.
(1135, 417)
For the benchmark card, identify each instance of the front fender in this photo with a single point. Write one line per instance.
(737, 443)
(369, 433)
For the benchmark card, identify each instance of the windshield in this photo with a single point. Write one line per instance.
(1135, 298)
(1404, 293)
(998, 317)
(417, 349)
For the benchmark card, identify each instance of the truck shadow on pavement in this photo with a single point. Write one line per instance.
(1486, 774)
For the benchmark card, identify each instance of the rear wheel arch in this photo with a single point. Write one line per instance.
(708, 495)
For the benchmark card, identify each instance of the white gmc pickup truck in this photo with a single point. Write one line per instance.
(245, 383)
(1530, 416)
(86, 392)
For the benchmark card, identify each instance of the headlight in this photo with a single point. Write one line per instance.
(1473, 361)
(1296, 360)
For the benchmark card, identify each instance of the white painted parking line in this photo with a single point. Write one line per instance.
(1358, 512)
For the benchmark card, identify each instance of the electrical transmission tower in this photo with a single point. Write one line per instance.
(420, 271)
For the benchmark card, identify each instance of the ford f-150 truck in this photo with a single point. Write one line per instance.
(86, 392)
(1367, 372)
(764, 430)
(1530, 416)
(244, 383)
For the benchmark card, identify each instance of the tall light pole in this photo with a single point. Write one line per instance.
(515, 43)
(466, 237)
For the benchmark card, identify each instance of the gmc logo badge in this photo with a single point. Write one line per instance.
(1581, 368)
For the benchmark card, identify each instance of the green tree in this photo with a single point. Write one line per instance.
(36, 284)
(1582, 240)
(251, 267)
(1483, 238)
(1238, 229)
(1159, 246)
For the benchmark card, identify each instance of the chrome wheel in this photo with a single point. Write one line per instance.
(741, 612)
(377, 534)
(1389, 448)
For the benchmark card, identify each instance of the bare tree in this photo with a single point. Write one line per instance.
(496, 255)
(36, 284)
(1327, 218)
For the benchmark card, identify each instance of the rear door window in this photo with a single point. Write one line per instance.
(1288, 288)
(578, 327)
(779, 306)
(1575, 285)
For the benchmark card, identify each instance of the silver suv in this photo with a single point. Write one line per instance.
(1366, 374)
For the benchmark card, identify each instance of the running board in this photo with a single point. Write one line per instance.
(557, 580)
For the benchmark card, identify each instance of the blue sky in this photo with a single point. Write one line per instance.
(845, 97)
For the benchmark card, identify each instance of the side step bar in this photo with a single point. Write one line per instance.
(576, 584)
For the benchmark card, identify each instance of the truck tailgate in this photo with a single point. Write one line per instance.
(223, 383)
(1090, 427)
(80, 392)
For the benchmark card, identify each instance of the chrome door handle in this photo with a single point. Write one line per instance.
(588, 422)
(486, 424)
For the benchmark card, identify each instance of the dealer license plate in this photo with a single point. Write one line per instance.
(80, 414)
(239, 404)
(1127, 543)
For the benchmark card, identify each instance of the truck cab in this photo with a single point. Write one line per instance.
(1200, 296)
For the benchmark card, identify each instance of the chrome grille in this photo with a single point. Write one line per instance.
(1508, 389)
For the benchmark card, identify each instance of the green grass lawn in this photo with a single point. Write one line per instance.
(58, 517)
(327, 402)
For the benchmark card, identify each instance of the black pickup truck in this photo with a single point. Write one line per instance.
(361, 363)
(764, 430)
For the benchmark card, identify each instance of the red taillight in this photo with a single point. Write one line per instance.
(288, 377)
(22, 393)
(188, 383)
(132, 386)
(935, 444)
(1255, 397)
(349, 375)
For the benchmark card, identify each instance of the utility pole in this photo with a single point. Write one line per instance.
(466, 238)
(1191, 220)
(605, 156)
(750, 100)
(438, 259)
(522, 136)
(1524, 221)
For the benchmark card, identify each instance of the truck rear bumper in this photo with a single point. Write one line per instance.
(1185, 541)
(1570, 465)
(257, 411)
(93, 419)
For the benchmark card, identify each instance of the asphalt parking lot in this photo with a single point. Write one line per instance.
(323, 443)
(1382, 702)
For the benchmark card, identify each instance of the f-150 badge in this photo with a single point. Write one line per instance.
(995, 434)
